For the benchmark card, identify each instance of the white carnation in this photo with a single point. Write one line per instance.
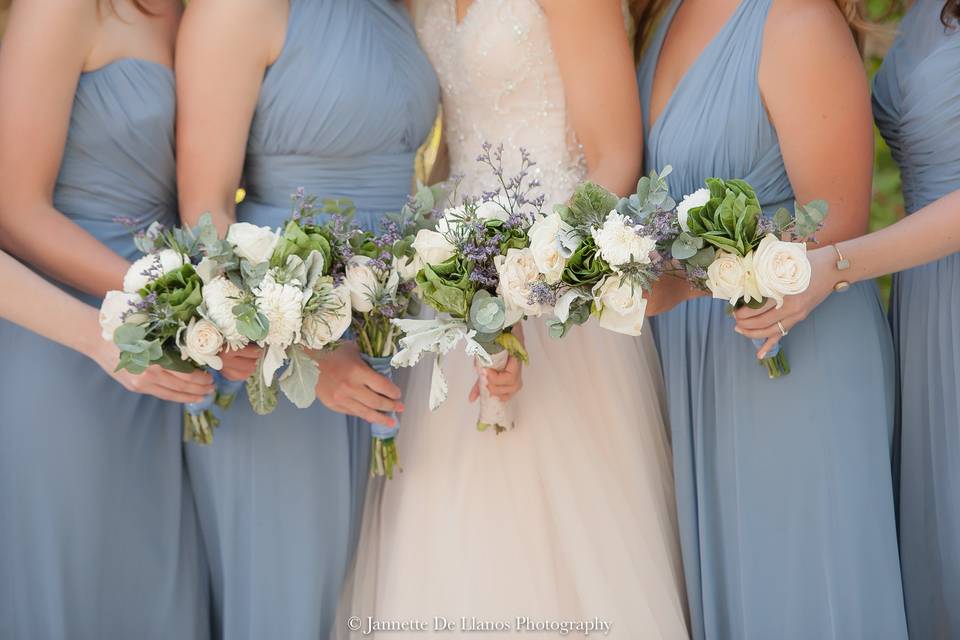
(781, 268)
(517, 270)
(150, 267)
(201, 342)
(282, 304)
(220, 296)
(330, 322)
(251, 242)
(619, 243)
(622, 307)
(698, 198)
(546, 246)
(117, 309)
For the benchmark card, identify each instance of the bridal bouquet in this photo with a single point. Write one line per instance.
(726, 245)
(478, 271)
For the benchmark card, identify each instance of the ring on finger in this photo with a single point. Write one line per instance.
(783, 332)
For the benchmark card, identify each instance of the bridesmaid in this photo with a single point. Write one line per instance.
(784, 486)
(98, 537)
(916, 101)
(335, 97)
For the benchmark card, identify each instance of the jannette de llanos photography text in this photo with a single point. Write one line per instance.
(468, 625)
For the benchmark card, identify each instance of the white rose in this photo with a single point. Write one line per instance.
(201, 342)
(220, 296)
(491, 210)
(282, 304)
(150, 267)
(406, 267)
(116, 306)
(433, 247)
(619, 242)
(251, 242)
(622, 306)
(781, 268)
(546, 246)
(363, 283)
(727, 277)
(698, 198)
(453, 218)
(516, 271)
(328, 324)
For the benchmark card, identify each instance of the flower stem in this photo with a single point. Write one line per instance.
(777, 365)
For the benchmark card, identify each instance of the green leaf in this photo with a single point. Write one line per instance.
(299, 381)
(127, 334)
(704, 257)
(685, 246)
(782, 219)
(263, 399)
(513, 346)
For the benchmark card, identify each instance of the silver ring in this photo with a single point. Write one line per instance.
(783, 332)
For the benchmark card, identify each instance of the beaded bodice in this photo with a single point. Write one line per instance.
(501, 84)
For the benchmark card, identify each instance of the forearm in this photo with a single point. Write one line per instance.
(57, 246)
(193, 205)
(929, 234)
(616, 172)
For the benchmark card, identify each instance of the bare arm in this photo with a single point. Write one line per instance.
(223, 49)
(42, 56)
(590, 42)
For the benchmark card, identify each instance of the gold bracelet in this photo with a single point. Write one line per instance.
(842, 265)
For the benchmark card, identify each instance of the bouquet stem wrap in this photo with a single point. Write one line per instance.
(493, 411)
(200, 419)
(227, 390)
(384, 457)
(775, 362)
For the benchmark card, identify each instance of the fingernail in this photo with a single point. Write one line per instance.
(737, 329)
(400, 408)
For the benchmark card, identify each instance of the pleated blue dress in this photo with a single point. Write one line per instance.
(98, 532)
(784, 488)
(917, 107)
(341, 113)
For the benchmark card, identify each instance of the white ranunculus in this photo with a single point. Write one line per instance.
(698, 198)
(432, 247)
(282, 304)
(622, 307)
(406, 267)
(781, 268)
(546, 246)
(727, 277)
(201, 342)
(516, 271)
(363, 282)
(491, 210)
(116, 309)
(220, 296)
(150, 267)
(619, 242)
(251, 242)
(328, 325)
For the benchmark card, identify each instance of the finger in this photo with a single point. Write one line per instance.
(767, 346)
(169, 381)
(505, 391)
(196, 377)
(746, 312)
(354, 408)
(170, 395)
(249, 352)
(502, 377)
(379, 383)
(475, 392)
(375, 401)
(235, 375)
(761, 334)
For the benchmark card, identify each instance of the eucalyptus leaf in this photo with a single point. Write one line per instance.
(685, 246)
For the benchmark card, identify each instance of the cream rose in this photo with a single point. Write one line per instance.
(491, 210)
(546, 248)
(328, 324)
(621, 306)
(363, 283)
(407, 268)
(727, 277)
(432, 246)
(781, 268)
(251, 242)
(150, 267)
(698, 198)
(516, 271)
(117, 309)
(619, 242)
(201, 342)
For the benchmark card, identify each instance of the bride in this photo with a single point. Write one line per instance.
(570, 515)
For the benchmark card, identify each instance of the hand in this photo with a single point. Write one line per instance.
(668, 292)
(504, 384)
(241, 363)
(348, 385)
(761, 324)
(185, 388)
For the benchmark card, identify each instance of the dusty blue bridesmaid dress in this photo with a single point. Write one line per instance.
(98, 531)
(917, 107)
(341, 113)
(784, 487)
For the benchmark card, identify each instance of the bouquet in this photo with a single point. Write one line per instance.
(720, 238)
(477, 270)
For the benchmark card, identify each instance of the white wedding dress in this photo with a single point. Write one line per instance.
(569, 516)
